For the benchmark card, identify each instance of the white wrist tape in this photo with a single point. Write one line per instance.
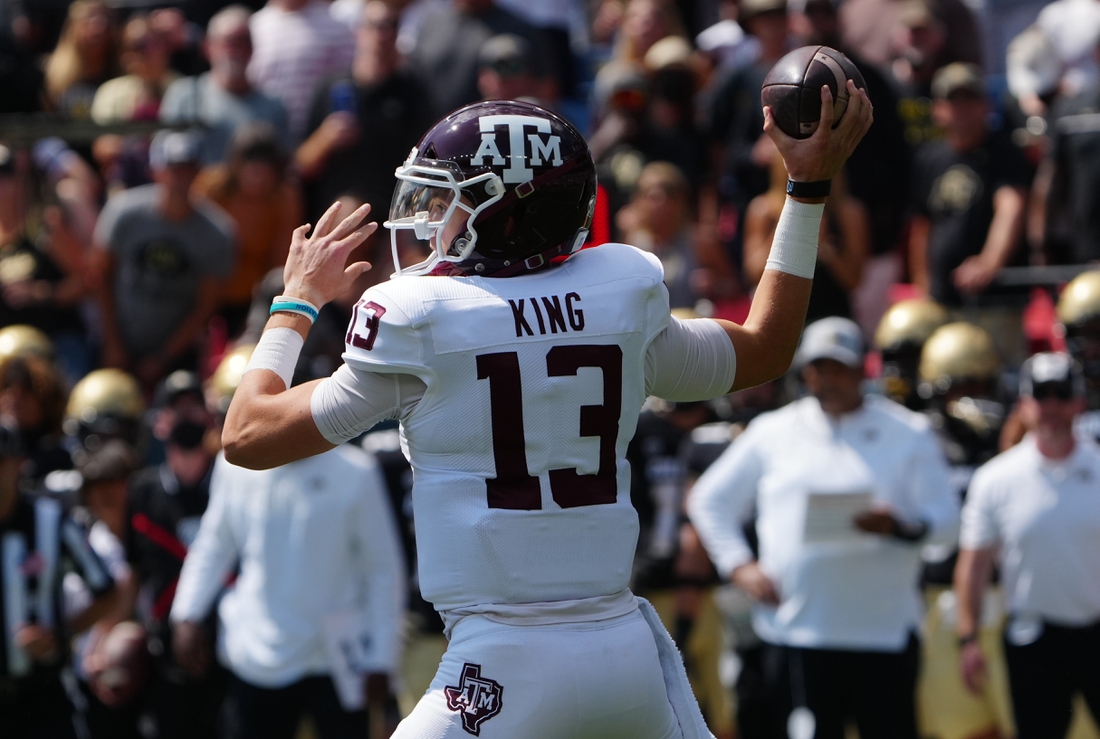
(277, 351)
(794, 246)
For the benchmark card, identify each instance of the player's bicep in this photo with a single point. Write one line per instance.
(353, 400)
(690, 360)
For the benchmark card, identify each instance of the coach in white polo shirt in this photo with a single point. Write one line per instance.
(847, 488)
(1038, 506)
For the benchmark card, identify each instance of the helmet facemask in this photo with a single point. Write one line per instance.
(437, 208)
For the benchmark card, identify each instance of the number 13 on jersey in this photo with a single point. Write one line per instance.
(514, 487)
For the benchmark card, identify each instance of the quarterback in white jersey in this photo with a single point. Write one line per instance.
(517, 398)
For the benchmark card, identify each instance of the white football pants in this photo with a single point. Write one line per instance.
(591, 680)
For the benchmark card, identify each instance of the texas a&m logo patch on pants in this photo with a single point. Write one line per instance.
(477, 698)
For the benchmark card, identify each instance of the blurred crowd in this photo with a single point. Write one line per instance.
(155, 158)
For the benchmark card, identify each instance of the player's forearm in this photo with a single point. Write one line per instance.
(972, 574)
(767, 342)
(1007, 226)
(267, 424)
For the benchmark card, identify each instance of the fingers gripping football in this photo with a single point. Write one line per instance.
(316, 268)
(822, 155)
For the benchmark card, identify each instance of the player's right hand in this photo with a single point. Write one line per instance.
(756, 584)
(821, 156)
(315, 268)
(972, 667)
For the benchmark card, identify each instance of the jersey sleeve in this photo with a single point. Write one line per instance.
(690, 360)
(383, 337)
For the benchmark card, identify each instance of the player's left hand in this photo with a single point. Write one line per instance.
(316, 268)
(877, 521)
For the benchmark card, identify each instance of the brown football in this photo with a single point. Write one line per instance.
(793, 88)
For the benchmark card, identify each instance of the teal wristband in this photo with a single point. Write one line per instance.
(294, 305)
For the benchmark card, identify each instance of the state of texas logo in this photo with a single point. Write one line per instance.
(477, 698)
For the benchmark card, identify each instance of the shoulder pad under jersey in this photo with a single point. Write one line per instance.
(382, 335)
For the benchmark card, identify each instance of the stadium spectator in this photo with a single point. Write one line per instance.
(1064, 223)
(842, 247)
(349, 591)
(870, 27)
(847, 488)
(41, 543)
(918, 50)
(32, 396)
(644, 23)
(968, 203)
(658, 220)
(1074, 27)
(42, 271)
(223, 99)
(85, 58)
(506, 69)
(166, 503)
(554, 20)
(740, 157)
(447, 48)
(1033, 511)
(879, 170)
(265, 205)
(362, 125)
(296, 44)
(136, 95)
(162, 256)
(672, 133)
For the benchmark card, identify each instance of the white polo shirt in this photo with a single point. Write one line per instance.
(1045, 516)
(857, 593)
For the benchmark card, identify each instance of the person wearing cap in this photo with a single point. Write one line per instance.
(223, 99)
(361, 125)
(968, 208)
(505, 69)
(1033, 511)
(161, 256)
(848, 487)
(39, 543)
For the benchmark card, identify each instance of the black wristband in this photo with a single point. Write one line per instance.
(970, 638)
(819, 189)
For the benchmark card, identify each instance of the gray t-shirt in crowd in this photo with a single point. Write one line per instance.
(159, 264)
(198, 100)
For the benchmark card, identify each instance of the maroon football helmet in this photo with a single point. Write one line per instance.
(496, 188)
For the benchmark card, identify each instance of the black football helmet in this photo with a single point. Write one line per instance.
(496, 188)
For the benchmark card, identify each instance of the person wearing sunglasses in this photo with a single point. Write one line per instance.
(1038, 506)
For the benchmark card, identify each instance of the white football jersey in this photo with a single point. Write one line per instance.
(534, 385)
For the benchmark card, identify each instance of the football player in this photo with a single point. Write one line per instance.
(517, 365)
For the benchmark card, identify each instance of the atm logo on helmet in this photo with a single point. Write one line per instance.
(519, 164)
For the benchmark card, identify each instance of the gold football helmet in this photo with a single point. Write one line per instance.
(106, 404)
(958, 352)
(909, 322)
(1080, 299)
(223, 383)
(21, 340)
